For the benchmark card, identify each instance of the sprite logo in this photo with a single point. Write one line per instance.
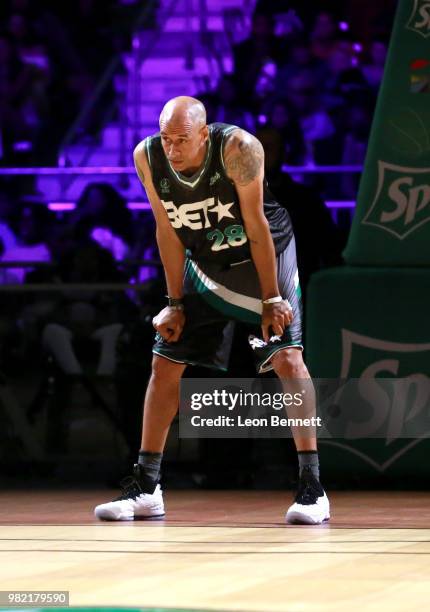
(402, 201)
(370, 359)
(419, 20)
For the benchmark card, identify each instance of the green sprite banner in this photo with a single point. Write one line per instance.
(359, 325)
(392, 221)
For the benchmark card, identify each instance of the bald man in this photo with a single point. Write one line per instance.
(228, 253)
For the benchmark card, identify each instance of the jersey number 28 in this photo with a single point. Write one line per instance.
(234, 236)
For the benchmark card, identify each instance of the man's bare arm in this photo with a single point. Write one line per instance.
(244, 158)
(244, 163)
(172, 251)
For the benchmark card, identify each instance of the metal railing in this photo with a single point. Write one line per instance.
(111, 170)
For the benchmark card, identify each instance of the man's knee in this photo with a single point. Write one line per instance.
(165, 370)
(288, 363)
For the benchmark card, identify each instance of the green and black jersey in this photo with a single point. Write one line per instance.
(204, 208)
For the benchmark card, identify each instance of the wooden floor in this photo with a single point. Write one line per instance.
(221, 551)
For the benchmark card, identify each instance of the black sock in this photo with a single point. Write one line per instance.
(309, 459)
(151, 463)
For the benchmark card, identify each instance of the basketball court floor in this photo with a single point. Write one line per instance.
(220, 551)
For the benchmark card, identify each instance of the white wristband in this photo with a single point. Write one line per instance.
(273, 300)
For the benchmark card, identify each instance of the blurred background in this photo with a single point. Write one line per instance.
(81, 83)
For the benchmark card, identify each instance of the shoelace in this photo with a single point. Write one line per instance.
(130, 487)
(308, 491)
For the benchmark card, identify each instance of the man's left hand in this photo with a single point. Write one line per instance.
(276, 316)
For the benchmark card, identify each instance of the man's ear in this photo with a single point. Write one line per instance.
(205, 133)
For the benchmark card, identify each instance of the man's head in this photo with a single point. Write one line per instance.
(184, 132)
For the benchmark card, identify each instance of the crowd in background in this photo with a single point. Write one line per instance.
(306, 73)
(310, 70)
(52, 55)
(304, 82)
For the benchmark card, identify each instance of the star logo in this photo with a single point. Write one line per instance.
(223, 210)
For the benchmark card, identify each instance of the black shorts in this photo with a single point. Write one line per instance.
(215, 298)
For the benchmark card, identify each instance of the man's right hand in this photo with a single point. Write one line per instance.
(169, 323)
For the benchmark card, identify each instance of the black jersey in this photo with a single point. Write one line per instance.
(204, 208)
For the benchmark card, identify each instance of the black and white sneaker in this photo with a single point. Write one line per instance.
(134, 503)
(311, 506)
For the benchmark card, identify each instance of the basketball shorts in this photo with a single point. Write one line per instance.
(215, 298)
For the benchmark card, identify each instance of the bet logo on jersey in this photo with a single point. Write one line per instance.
(198, 215)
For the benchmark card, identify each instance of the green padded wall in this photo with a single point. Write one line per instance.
(364, 322)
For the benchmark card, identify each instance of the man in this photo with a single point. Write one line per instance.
(217, 221)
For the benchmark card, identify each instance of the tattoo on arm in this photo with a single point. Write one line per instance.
(243, 164)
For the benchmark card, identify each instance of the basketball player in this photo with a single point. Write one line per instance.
(228, 253)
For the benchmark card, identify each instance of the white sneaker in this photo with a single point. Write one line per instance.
(133, 503)
(311, 506)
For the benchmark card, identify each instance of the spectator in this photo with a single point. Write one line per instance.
(315, 123)
(300, 59)
(324, 35)
(87, 314)
(21, 101)
(228, 109)
(251, 55)
(101, 214)
(145, 247)
(32, 224)
(282, 117)
(7, 237)
(373, 70)
(345, 79)
(265, 85)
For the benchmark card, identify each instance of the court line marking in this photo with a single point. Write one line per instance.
(214, 543)
(119, 524)
(215, 552)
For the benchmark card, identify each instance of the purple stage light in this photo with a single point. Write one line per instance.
(131, 170)
(262, 119)
(139, 206)
(68, 206)
(61, 206)
(358, 47)
(75, 170)
(341, 204)
(22, 146)
(312, 169)
(343, 26)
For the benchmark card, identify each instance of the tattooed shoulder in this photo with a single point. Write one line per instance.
(243, 157)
